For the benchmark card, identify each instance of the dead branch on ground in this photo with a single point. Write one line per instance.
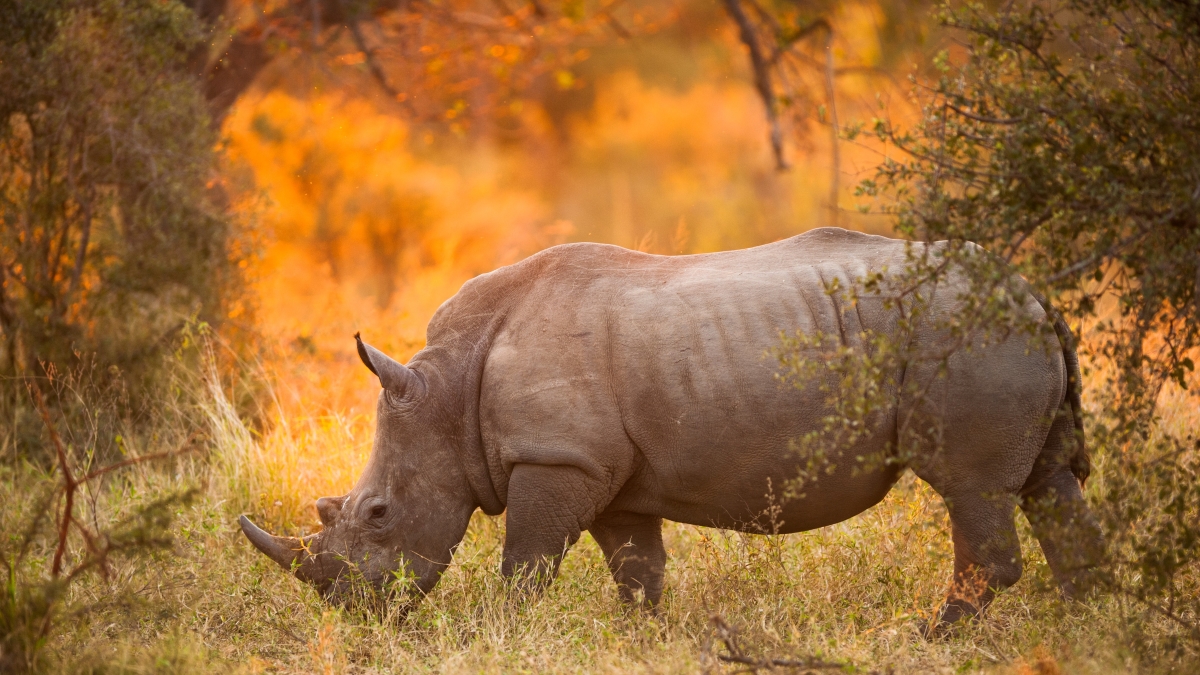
(728, 636)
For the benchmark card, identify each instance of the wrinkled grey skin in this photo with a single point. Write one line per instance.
(594, 388)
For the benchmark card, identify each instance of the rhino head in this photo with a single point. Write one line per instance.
(398, 528)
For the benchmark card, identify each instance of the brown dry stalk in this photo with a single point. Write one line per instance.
(71, 485)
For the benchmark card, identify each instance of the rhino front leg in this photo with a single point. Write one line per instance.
(548, 507)
(633, 546)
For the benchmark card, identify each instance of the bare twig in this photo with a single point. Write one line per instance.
(1096, 258)
(81, 256)
(143, 458)
(1164, 612)
(69, 484)
(728, 636)
(510, 14)
(372, 63)
(807, 664)
(982, 118)
(606, 11)
(787, 42)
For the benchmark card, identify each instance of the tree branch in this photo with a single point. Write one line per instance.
(790, 41)
(609, 18)
(835, 154)
(372, 62)
(81, 255)
(762, 77)
(981, 118)
(227, 79)
(227, 76)
(69, 483)
(1116, 248)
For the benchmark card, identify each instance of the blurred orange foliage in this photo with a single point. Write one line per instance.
(371, 223)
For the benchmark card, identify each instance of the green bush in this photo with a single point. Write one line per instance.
(1065, 140)
(113, 233)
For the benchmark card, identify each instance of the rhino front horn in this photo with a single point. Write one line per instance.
(283, 550)
(395, 377)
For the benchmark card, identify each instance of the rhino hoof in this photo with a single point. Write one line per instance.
(952, 616)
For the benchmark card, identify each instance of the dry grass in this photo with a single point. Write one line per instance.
(856, 593)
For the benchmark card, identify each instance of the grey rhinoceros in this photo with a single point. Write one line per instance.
(594, 388)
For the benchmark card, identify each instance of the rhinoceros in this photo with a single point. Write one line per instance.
(590, 387)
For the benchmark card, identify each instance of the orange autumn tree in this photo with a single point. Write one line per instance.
(589, 122)
(470, 61)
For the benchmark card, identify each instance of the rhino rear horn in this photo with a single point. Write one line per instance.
(395, 377)
(283, 550)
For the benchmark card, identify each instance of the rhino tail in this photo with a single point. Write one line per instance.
(1080, 462)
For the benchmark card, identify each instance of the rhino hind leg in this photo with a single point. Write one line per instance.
(633, 546)
(987, 553)
(1064, 526)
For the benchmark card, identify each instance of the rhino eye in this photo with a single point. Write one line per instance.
(377, 511)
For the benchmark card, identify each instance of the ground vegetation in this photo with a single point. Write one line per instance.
(390, 151)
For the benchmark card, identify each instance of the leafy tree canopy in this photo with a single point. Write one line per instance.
(1066, 141)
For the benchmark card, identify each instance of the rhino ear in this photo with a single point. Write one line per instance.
(397, 378)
